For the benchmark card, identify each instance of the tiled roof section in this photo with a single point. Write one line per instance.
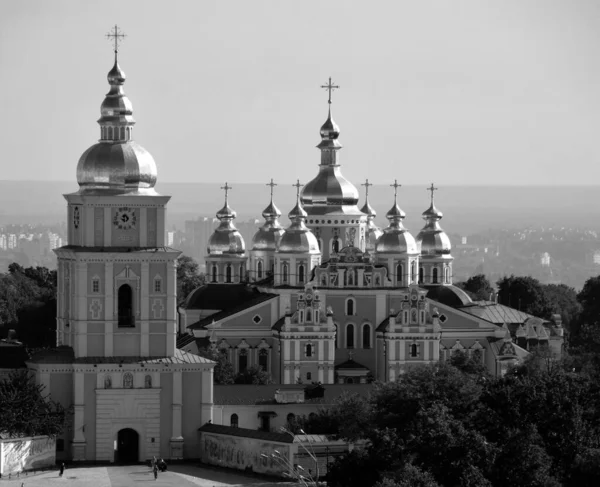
(241, 394)
(497, 313)
(107, 250)
(228, 299)
(65, 355)
(184, 340)
(13, 356)
(246, 433)
(350, 364)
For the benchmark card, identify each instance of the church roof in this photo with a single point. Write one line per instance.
(66, 355)
(450, 296)
(225, 299)
(497, 313)
(246, 433)
(351, 364)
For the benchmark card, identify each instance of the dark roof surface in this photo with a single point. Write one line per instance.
(225, 299)
(67, 356)
(497, 313)
(450, 296)
(108, 250)
(246, 433)
(351, 364)
(13, 356)
(243, 394)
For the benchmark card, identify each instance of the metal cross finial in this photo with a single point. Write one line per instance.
(432, 189)
(226, 188)
(272, 184)
(330, 87)
(297, 186)
(395, 186)
(366, 184)
(117, 36)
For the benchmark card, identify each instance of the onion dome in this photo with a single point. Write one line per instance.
(396, 239)
(330, 189)
(297, 238)
(267, 237)
(432, 240)
(116, 164)
(226, 239)
(373, 231)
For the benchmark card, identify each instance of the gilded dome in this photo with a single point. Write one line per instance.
(116, 164)
(432, 241)
(226, 239)
(297, 238)
(268, 236)
(396, 239)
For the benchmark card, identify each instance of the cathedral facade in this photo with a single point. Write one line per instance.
(332, 298)
(133, 394)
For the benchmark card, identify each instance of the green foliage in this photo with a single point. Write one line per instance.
(586, 333)
(448, 424)
(223, 372)
(478, 287)
(28, 304)
(525, 294)
(254, 375)
(563, 301)
(188, 277)
(26, 411)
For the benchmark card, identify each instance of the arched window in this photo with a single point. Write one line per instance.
(308, 315)
(125, 306)
(259, 270)
(157, 285)
(284, 273)
(242, 273)
(233, 420)
(434, 275)
(413, 271)
(308, 376)
(447, 275)
(350, 336)
(421, 274)
(350, 307)
(228, 273)
(335, 245)
(243, 360)
(148, 382)
(127, 380)
(399, 273)
(366, 336)
(110, 132)
(291, 417)
(309, 350)
(122, 133)
(337, 334)
(414, 350)
(107, 381)
(301, 273)
(263, 358)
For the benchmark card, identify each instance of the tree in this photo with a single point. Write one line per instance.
(223, 372)
(587, 331)
(25, 410)
(478, 287)
(254, 375)
(563, 301)
(188, 277)
(525, 294)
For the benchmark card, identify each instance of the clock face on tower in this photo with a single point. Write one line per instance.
(76, 217)
(125, 218)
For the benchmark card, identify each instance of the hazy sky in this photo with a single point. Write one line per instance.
(455, 92)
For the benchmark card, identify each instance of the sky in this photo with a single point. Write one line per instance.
(456, 92)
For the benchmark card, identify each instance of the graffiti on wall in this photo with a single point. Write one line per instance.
(241, 453)
(27, 454)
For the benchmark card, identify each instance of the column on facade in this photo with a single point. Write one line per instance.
(78, 417)
(144, 311)
(176, 437)
(108, 310)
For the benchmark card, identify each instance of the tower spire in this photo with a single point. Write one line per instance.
(432, 189)
(330, 87)
(226, 188)
(396, 186)
(272, 184)
(116, 36)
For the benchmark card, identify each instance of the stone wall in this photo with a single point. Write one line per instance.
(21, 454)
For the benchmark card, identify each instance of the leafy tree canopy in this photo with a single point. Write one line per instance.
(525, 294)
(254, 375)
(478, 287)
(188, 277)
(25, 409)
(223, 371)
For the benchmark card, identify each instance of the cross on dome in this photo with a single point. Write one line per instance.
(330, 87)
(366, 184)
(297, 186)
(272, 184)
(432, 189)
(395, 186)
(226, 188)
(116, 36)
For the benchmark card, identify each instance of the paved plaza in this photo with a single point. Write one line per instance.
(140, 475)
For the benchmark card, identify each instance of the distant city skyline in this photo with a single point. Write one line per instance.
(458, 93)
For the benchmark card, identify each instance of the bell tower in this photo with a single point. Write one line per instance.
(117, 280)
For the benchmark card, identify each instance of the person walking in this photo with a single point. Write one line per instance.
(62, 469)
(155, 470)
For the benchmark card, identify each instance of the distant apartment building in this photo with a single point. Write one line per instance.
(545, 259)
(596, 257)
(12, 241)
(3, 241)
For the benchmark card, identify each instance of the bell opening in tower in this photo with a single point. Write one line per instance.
(125, 306)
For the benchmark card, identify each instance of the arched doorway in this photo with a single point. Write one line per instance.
(128, 446)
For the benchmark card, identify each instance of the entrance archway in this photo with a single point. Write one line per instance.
(128, 446)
